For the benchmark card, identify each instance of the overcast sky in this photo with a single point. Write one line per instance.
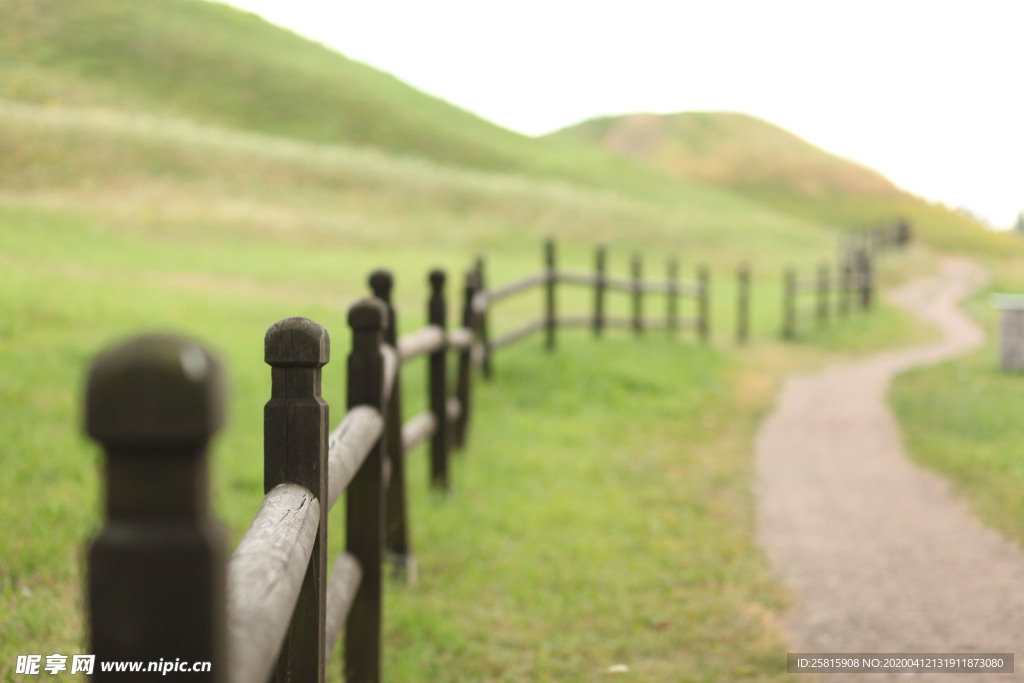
(930, 93)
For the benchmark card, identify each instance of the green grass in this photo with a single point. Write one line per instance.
(961, 419)
(602, 514)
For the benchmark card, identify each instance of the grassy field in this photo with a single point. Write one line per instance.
(602, 514)
(960, 417)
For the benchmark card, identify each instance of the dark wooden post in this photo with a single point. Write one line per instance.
(295, 427)
(399, 552)
(743, 304)
(672, 274)
(437, 385)
(903, 233)
(485, 339)
(550, 322)
(156, 570)
(843, 286)
(789, 304)
(599, 287)
(866, 279)
(638, 295)
(822, 294)
(463, 384)
(704, 303)
(364, 500)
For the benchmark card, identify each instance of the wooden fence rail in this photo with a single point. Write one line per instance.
(635, 286)
(160, 582)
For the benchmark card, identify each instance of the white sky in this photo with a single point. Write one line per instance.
(930, 93)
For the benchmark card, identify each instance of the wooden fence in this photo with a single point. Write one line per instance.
(848, 287)
(161, 585)
(672, 288)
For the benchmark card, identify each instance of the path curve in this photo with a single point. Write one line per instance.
(879, 553)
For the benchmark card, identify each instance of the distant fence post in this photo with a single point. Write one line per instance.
(822, 294)
(638, 294)
(789, 303)
(463, 384)
(742, 304)
(865, 279)
(485, 339)
(437, 381)
(156, 570)
(672, 275)
(599, 287)
(844, 284)
(903, 233)
(295, 426)
(704, 303)
(551, 281)
(399, 552)
(365, 502)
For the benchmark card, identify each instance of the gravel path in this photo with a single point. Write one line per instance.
(879, 553)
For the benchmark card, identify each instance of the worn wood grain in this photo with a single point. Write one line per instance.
(341, 590)
(265, 574)
(348, 446)
(418, 429)
(516, 335)
(423, 341)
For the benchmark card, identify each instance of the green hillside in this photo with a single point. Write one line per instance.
(212, 64)
(177, 164)
(773, 166)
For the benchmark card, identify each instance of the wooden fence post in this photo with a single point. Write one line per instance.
(550, 322)
(485, 339)
(156, 570)
(865, 279)
(463, 384)
(704, 303)
(903, 233)
(789, 304)
(399, 552)
(672, 274)
(364, 500)
(743, 304)
(843, 286)
(638, 294)
(599, 287)
(437, 384)
(822, 294)
(295, 427)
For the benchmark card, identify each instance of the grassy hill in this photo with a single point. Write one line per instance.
(777, 168)
(177, 164)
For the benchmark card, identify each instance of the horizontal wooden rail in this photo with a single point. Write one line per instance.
(421, 342)
(348, 446)
(453, 408)
(515, 287)
(417, 430)
(575, 321)
(587, 279)
(264, 577)
(341, 590)
(460, 339)
(516, 335)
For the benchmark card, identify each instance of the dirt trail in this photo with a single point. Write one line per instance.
(880, 555)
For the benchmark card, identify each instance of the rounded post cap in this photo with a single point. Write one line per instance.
(297, 342)
(154, 389)
(437, 278)
(368, 315)
(381, 282)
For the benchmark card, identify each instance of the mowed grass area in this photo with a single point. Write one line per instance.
(961, 418)
(602, 515)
